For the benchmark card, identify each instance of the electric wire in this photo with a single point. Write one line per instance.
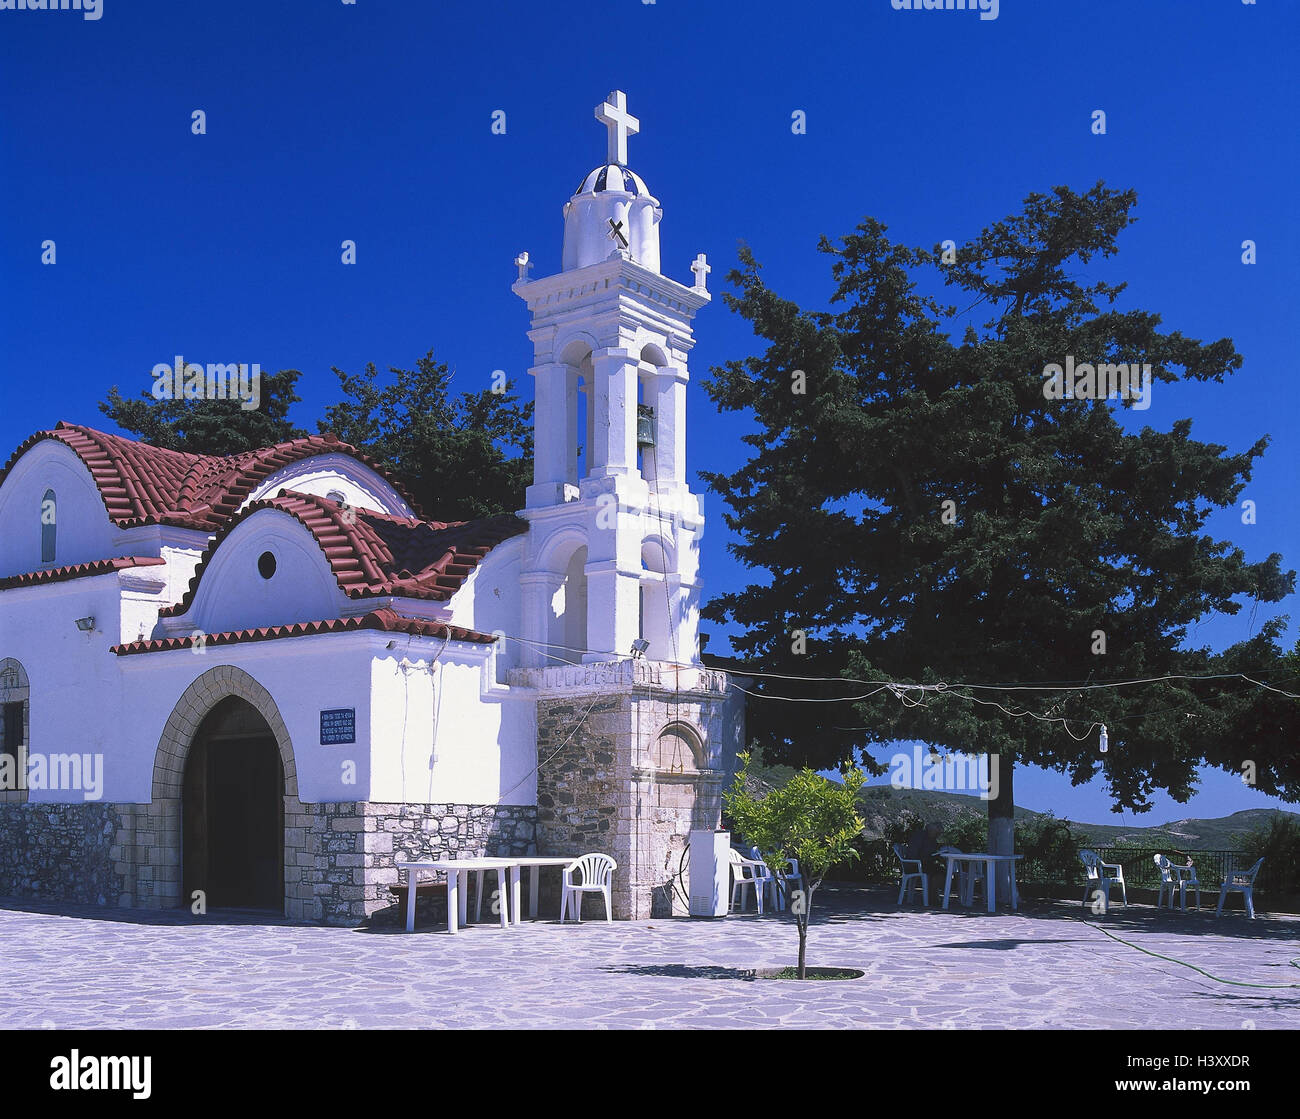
(938, 687)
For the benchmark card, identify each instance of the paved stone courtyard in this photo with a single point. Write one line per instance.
(66, 967)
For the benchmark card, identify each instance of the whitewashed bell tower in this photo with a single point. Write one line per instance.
(635, 738)
(614, 533)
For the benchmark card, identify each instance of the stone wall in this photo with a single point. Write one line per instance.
(350, 850)
(63, 852)
(338, 858)
(632, 774)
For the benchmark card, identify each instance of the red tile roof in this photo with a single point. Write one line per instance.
(216, 487)
(385, 620)
(78, 571)
(141, 484)
(373, 554)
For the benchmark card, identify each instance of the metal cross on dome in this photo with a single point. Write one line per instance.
(621, 124)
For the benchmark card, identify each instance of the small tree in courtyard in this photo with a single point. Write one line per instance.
(808, 818)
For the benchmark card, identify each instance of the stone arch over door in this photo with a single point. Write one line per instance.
(158, 838)
(196, 701)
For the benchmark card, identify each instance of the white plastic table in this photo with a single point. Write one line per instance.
(457, 887)
(516, 863)
(990, 878)
(458, 884)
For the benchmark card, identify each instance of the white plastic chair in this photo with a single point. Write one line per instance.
(969, 875)
(594, 873)
(746, 873)
(1186, 879)
(1100, 880)
(1242, 882)
(1167, 881)
(783, 883)
(779, 880)
(911, 875)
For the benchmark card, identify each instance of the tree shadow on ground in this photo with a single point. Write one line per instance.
(685, 971)
(1008, 943)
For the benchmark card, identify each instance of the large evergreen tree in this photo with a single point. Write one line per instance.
(462, 456)
(926, 514)
(210, 427)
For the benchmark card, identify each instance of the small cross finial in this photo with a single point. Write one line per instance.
(701, 269)
(621, 124)
(523, 264)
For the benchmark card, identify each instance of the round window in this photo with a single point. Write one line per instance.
(266, 565)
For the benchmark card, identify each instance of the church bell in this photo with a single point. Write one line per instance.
(645, 425)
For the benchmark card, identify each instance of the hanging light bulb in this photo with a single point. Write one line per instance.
(1104, 744)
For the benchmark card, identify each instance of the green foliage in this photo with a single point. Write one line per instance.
(462, 457)
(210, 427)
(1050, 849)
(1279, 846)
(808, 818)
(1064, 521)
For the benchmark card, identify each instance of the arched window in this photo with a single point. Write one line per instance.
(679, 750)
(655, 621)
(567, 628)
(49, 526)
(14, 731)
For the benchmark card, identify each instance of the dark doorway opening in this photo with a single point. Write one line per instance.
(232, 814)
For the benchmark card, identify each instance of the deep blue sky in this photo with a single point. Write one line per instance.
(372, 121)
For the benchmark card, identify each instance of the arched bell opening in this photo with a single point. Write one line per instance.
(567, 615)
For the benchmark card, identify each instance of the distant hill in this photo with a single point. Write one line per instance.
(881, 805)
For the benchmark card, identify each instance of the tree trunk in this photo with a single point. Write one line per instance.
(803, 945)
(1002, 832)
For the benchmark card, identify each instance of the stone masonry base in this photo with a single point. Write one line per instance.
(338, 858)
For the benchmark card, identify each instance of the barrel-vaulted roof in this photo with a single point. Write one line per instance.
(141, 484)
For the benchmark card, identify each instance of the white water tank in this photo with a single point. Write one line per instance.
(710, 876)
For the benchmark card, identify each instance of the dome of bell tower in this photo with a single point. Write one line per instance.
(613, 213)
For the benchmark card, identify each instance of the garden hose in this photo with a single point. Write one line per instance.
(1183, 963)
(677, 878)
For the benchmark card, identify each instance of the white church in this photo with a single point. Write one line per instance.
(257, 681)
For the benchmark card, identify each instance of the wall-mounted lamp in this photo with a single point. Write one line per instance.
(86, 625)
(639, 647)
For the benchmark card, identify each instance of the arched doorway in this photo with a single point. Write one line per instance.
(232, 810)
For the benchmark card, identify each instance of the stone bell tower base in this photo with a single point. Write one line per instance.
(632, 757)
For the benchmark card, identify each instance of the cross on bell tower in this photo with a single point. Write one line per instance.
(614, 116)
